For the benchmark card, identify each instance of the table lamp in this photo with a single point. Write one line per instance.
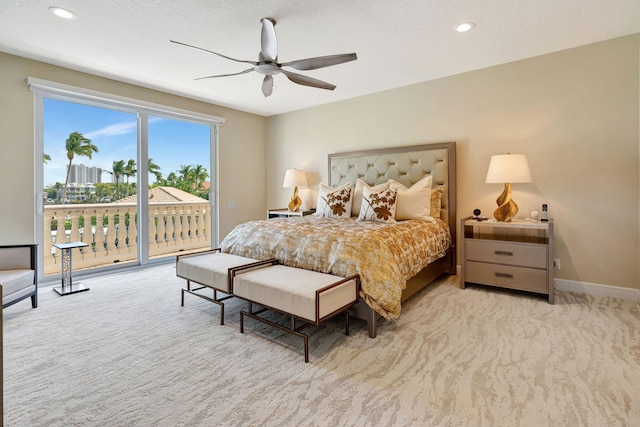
(294, 178)
(507, 169)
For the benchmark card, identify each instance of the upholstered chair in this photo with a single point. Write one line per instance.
(19, 274)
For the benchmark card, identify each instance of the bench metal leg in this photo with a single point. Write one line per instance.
(182, 294)
(306, 348)
(346, 323)
(291, 330)
(214, 300)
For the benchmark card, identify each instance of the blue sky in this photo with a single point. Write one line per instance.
(172, 143)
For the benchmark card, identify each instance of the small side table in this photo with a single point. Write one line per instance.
(285, 213)
(68, 287)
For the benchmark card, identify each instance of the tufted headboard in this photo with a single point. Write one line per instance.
(406, 165)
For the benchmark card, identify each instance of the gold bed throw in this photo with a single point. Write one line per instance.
(384, 255)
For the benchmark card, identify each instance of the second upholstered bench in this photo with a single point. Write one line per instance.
(308, 296)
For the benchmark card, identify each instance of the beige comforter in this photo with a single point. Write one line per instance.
(385, 255)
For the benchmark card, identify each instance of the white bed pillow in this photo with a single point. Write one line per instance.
(378, 206)
(357, 195)
(414, 202)
(335, 202)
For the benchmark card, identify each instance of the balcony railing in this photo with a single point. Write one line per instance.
(112, 233)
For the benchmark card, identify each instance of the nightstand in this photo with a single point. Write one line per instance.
(514, 255)
(284, 213)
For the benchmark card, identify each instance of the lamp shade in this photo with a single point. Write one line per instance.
(295, 178)
(510, 168)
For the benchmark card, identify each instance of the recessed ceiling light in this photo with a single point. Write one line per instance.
(62, 13)
(465, 26)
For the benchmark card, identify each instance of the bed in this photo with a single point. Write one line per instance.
(395, 259)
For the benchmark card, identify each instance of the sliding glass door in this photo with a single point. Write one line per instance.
(135, 182)
(90, 184)
(179, 174)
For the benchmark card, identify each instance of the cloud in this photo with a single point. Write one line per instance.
(122, 128)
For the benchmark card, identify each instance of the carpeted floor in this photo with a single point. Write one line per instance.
(126, 354)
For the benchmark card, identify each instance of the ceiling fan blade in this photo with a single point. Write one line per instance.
(267, 86)
(269, 43)
(320, 61)
(307, 81)
(248, 70)
(215, 53)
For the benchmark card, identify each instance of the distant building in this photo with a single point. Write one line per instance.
(77, 174)
(94, 175)
(82, 180)
(79, 191)
(81, 174)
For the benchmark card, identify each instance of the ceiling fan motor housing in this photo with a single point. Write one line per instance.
(267, 69)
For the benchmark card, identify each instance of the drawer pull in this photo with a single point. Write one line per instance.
(504, 275)
(507, 253)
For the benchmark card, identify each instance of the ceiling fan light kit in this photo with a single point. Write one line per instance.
(269, 66)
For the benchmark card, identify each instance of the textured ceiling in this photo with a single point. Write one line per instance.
(398, 42)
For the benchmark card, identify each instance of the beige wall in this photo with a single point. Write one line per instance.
(241, 177)
(574, 113)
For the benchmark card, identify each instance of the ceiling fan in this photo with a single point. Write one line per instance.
(268, 64)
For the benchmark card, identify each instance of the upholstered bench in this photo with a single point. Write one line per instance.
(309, 296)
(210, 269)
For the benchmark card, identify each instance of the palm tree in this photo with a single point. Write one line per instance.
(200, 174)
(171, 180)
(46, 157)
(118, 171)
(76, 145)
(130, 170)
(186, 179)
(154, 169)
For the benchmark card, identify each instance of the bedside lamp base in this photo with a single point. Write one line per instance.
(507, 208)
(296, 202)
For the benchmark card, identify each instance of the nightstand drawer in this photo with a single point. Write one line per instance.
(520, 254)
(526, 279)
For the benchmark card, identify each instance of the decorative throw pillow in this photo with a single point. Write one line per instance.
(335, 202)
(414, 202)
(357, 195)
(378, 206)
(436, 202)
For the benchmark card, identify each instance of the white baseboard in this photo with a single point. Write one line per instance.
(597, 290)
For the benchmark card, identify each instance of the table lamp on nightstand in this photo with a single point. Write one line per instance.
(294, 178)
(507, 169)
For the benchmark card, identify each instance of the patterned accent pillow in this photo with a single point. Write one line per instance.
(357, 194)
(378, 206)
(335, 202)
(436, 202)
